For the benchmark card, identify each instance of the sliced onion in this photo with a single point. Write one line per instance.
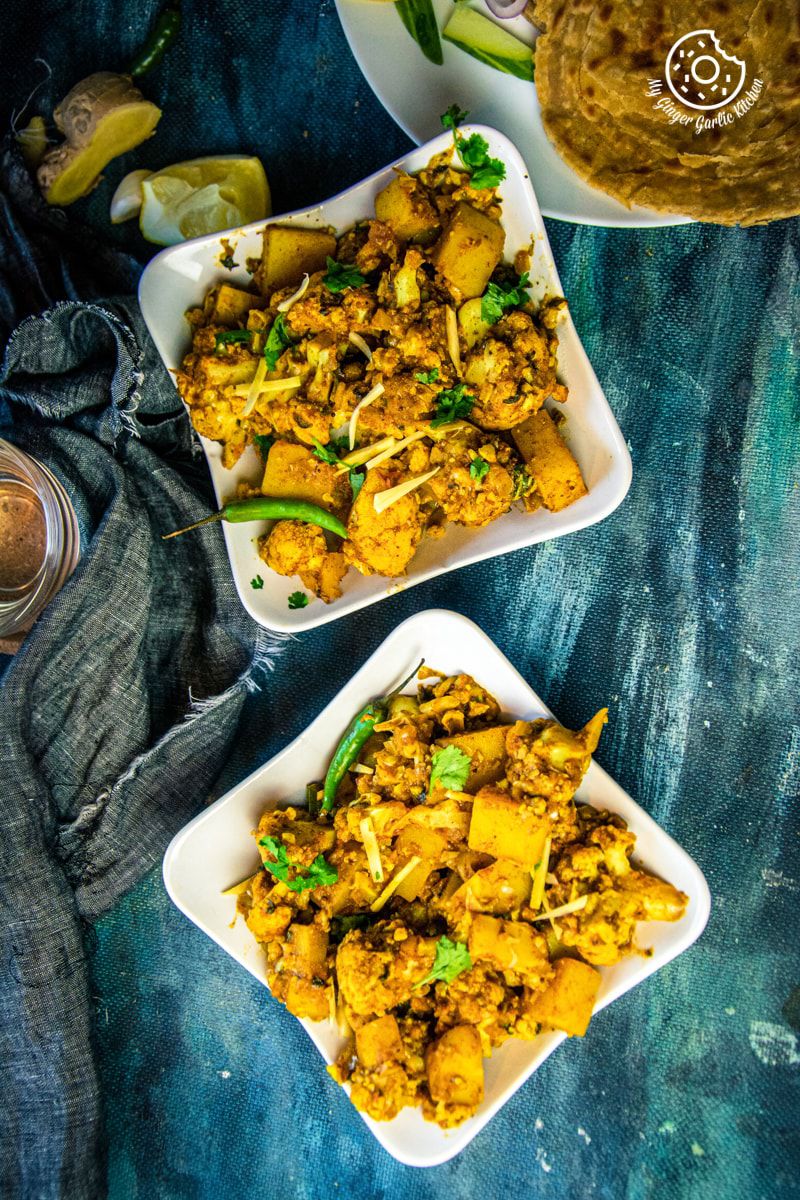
(286, 304)
(506, 9)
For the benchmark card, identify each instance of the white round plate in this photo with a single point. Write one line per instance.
(415, 92)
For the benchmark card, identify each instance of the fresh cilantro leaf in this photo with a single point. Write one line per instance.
(228, 262)
(427, 376)
(231, 336)
(278, 340)
(263, 443)
(298, 600)
(451, 959)
(473, 151)
(478, 468)
(341, 276)
(452, 404)
(453, 117)
(450, 768)
(257, 583)
(498, 297)
(325, 453)
(523, 483)
(356, 478)
(319, 874)
(340, 444)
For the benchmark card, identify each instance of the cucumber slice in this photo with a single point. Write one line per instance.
(480, 37)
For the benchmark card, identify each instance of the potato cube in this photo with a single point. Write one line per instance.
(404, 206)
(568, 1001)
(469, 250)
(428, 845)
(506, 828)
(502, 887)
(549, 460)
(379, 1042)
(291, 252)
(227, 305)
(294, 472)
(487, 751)
(306, 998)
(214, 371)
(305, 951)
(455, 1067)
(509, 946)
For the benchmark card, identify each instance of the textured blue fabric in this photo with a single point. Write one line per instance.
(680, 611)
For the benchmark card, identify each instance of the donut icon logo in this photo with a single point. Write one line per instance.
(699, 72)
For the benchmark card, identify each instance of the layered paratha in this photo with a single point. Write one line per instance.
(711, 130)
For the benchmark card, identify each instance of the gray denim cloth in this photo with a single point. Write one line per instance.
(120, 709)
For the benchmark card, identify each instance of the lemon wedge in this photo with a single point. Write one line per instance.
(204, 195)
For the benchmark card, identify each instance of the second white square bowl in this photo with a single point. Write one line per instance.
(216, 849)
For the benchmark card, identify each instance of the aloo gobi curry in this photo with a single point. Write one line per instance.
(443, 891)
(393, 378)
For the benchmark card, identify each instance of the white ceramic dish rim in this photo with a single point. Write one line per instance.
(366, 682)
(613, 484)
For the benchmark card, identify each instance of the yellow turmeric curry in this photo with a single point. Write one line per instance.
(455, 896)
(395, 376)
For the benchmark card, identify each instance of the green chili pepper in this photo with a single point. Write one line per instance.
(267, 508)
(164, 33)
(350, 746)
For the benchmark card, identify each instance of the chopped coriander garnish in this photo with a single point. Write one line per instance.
(451, 959)
(356, 478)
(341, 276)
(478, 468)
(498, 297)
(325, 453)
(485, 172)
(298, 600)
(319, 874)
(452, 404)
(454, 117)
(427, 376)
(257, 583)
(228, 262)
(450, 767)
(263, 443)
(278, 339)
(231, 337)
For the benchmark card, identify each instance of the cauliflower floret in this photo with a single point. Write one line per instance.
(294, 548)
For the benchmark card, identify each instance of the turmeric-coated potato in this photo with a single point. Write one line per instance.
(506, 828)
(487, 751)
(549, 460)
(455, 1067)
(228, 305)
(568, 1000)
(294, 472)
(379, 1042)
(509, 946)
(290, 253)
(404, 206)
(469, 250)
(305, 949)
(307, 998)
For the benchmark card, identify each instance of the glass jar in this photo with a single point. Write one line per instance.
(39, 538)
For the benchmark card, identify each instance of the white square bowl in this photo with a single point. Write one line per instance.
(216, 849)
(179, 278)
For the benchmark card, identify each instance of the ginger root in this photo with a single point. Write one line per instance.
(102, 117)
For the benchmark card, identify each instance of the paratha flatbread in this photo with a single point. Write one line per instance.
(601, 79)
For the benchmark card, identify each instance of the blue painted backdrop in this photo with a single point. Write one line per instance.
(679, 611)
